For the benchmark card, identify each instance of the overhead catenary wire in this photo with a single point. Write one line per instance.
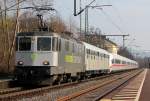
(21, 1)
(3, 2)
(37, 8)
(117, 12)
(112, 22)
(118, 15)
(83, 8)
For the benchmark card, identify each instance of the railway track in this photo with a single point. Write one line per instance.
(96, 92)
(69, 91)
(10, 90)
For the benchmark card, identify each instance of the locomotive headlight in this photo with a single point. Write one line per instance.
(45, 63)
(20, 62)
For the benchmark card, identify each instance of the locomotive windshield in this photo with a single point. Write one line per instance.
(24, 44)
(44, 44)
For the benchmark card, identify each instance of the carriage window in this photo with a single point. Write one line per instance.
(25, 44)
(79, 48)
(113, 61)
(87, 51)
(104, 55)
(123, 62)
(70, 46)
(98, 54)
(117, 61)
(44, 44)
(59, 46)
(73, 48)
(67, 45)
(108, 56)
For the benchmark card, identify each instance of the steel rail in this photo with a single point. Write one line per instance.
(10, 90)
(80, 93)
(33, 92)
(114, 88)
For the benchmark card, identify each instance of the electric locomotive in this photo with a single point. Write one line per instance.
(47, 57)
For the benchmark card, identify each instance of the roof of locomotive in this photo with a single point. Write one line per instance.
(37, 33)
(46, 33)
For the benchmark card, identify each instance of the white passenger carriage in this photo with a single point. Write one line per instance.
(96, 59)
(118, 63)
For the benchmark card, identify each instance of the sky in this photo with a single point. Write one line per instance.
(123, 17)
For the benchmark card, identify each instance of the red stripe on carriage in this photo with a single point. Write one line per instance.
(118, 65)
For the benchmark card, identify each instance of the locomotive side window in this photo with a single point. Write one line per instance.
(44, 44)
(55, 44)
(16, 43)
(25, 44)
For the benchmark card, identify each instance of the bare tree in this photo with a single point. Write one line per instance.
(15, 33)
(28, 22)
(57, 24)
(125, 52)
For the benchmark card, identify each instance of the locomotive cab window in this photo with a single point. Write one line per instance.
(44, 44)
(24, 44)
(16, 44)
